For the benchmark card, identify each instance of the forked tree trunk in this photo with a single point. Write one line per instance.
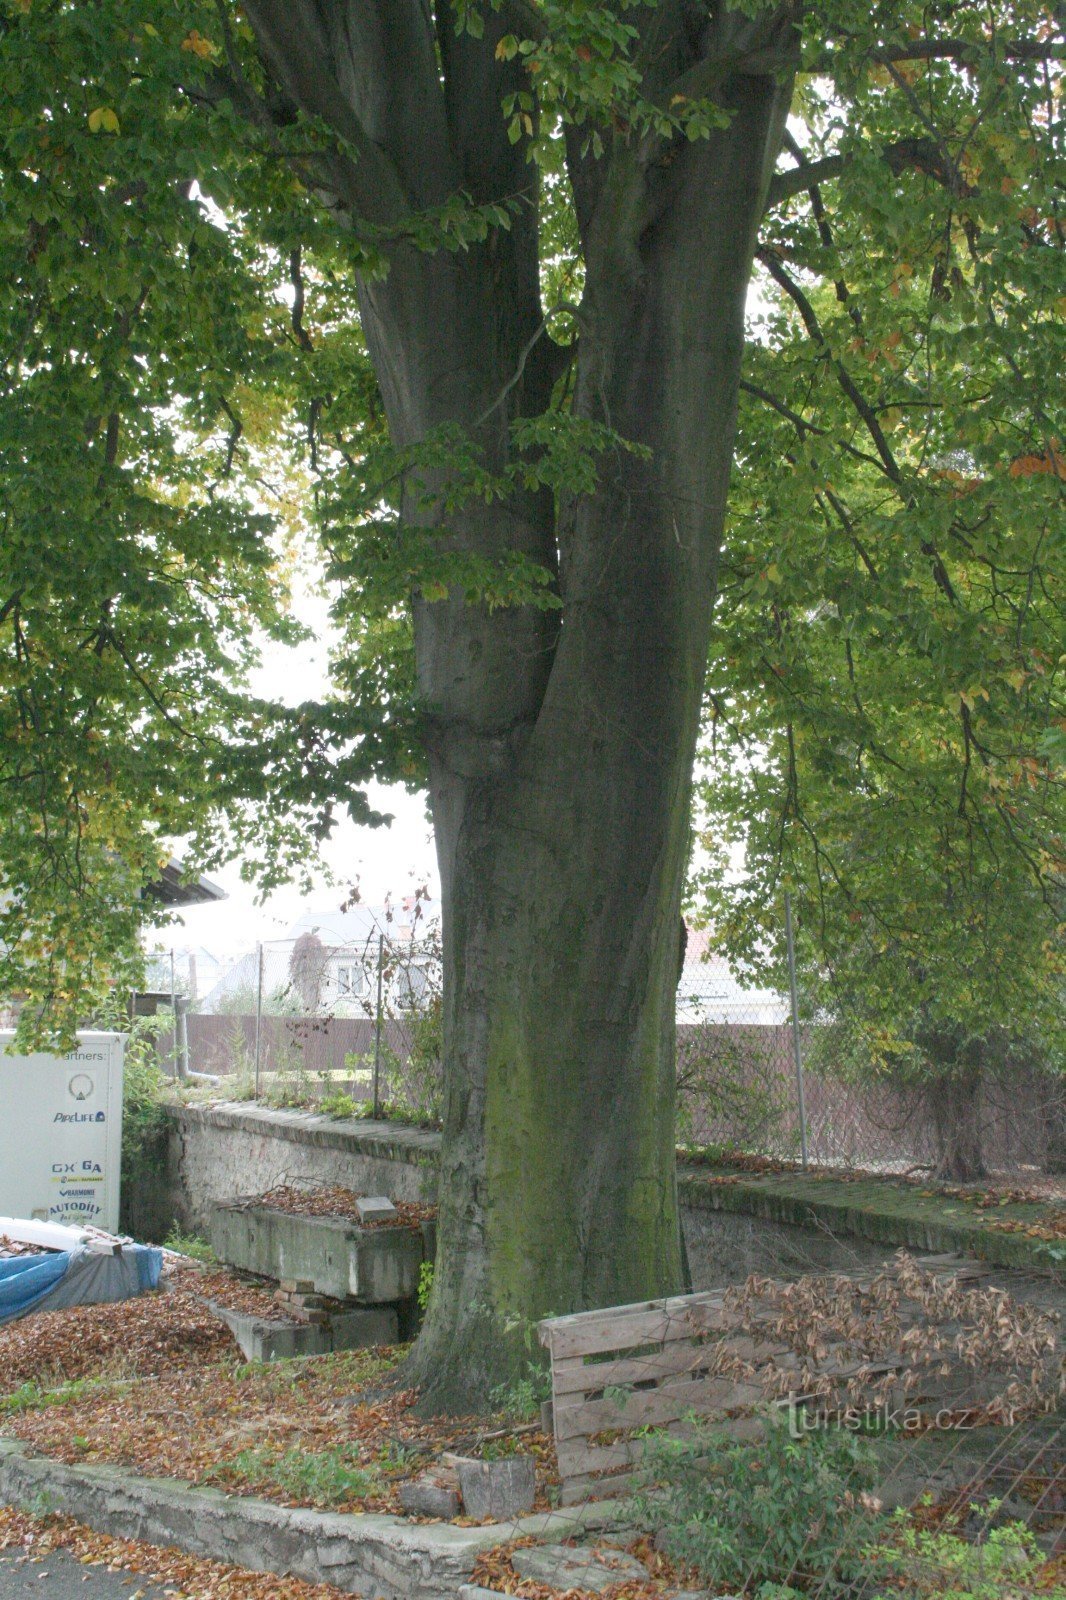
(560, 744)
(563, 859)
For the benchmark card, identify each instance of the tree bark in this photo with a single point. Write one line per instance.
(561, 744)
(563, 866)
(952, 1089)
(956, 1102)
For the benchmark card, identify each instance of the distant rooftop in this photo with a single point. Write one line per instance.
(173, 888)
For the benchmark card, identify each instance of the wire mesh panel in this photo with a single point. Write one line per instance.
(739, 1090)
(318, 1020)
(304, 1021)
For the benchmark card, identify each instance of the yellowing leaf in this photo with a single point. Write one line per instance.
(103, 120)
(1031, 466)
(197, 45)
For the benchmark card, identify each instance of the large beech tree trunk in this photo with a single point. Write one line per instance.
(561, 743)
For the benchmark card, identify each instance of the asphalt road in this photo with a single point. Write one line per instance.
(59, 1577)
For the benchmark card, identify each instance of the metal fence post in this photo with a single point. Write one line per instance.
(258, 1014)
(174, 1057)
(377, 1027)
(796, 1048)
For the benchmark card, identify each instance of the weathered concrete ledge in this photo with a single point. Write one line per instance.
(217, 1151)
(774, 1222)
(378, 1557)
(386, 1141)
(877, 1211)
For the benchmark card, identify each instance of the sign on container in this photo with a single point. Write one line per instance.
(61, 1132)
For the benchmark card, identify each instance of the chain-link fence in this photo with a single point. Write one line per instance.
(307, 1021)
(310, 1019)
(753, 1079)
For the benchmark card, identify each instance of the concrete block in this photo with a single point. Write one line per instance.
(363, 1326)
(337, 1258)
(434, 1494)
(376, 1208)
(273, 1341)
(261, 1340)
(501, 1489)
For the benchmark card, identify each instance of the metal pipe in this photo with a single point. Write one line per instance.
(796, 1049)
(181, 1024)
(175, 1053)
(258, 1015)
(377, 1028)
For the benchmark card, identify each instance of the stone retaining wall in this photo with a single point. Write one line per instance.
(376, 1556)
(218, 1152)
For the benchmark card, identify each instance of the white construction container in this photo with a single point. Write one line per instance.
(61, 1132)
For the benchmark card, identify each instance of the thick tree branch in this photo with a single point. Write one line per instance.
(773, 265)
(802, 425)
(921, 155)
(296, 48)
(963, 51)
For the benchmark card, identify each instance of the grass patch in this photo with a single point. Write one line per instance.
(192, 1245)
(318, 1477)
(34, 1396)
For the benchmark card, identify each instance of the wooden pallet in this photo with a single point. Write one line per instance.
(653, 1364)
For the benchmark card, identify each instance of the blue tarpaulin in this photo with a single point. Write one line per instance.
(26, 1279)
(75, 1278)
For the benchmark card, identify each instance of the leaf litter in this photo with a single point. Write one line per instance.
(158, 1385)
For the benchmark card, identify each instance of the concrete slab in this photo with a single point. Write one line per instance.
(363, 1326)
(563, 1568)
(262, 1340)
(374, 1266)
(376, 1208)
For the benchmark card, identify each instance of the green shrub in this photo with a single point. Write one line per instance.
(337, 1104)
(779, 1511)
(189, 1244)
(521, 1400)
(145, 1125)
(1001, 1562)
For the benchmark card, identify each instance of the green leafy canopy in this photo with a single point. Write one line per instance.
(188, 405)
(886, 718)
